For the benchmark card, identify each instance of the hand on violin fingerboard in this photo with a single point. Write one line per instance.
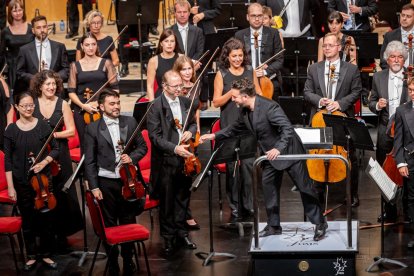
(186, 136)
(125, 159)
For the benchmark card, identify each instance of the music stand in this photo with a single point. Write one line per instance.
(139, 111)
(294, 108)
(218, 39)
(367, 44)
(233, 13)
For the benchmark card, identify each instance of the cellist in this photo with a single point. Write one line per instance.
(101, 155)
(346, 90)
(388, 92)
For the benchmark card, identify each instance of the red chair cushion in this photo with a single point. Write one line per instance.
(4, 197)
(150, 203)
(146, 175)
(75, 154)
(221, 167)
(10, 225)
(126, 233)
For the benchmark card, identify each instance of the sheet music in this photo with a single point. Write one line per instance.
(387, 186)
(309, 135)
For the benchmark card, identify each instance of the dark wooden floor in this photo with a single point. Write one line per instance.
(185, 262)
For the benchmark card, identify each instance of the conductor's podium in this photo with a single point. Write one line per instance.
(294, 252)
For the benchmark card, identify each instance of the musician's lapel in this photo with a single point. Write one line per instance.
(54, 53)
(321, 77)
(104, 131)
(409, 116)
(342, 73)
(247, 42)
(33, 55)
(123, 130)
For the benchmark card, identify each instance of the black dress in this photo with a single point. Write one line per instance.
(103, 44)
(164, 64)
(5, 108)
(9, 47)
(17, 146)
(68, 215)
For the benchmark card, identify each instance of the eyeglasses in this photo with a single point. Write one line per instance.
(176, 87)
(325, 46)
(27, 106)
(256, 16)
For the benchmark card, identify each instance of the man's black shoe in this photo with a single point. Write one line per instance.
(234, 218)
(71, 35)
(188, 243)
(387, 218)
(129, 268)
(124, 71)
(320, 231)
(153, 30)
(270, 230)
(168, 248)
(355, 201)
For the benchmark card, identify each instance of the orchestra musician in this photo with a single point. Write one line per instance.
(169, 183)
(7, 111)
(52, 53)
(91, 72)
(388, 92)
(269, 22)
(94, 21)
(46, 86)
(185, 67)
(233, 65)
(404, 147)
(346, 90)
(101, 156)
(167, 52)
(15, 35)
(27, 135)
(335, 24)
(203, 13)
(74, 15)
(269, 43)
(275, 135)
(400, 34)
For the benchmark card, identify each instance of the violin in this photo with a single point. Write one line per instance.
(328, 171)
(347, 49)
(410, 49)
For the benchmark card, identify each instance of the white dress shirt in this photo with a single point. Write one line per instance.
(395, 86)
(337, 64)
(113, 127)
(46, 52)
(184, 35)
(293, 26)
(252, 49)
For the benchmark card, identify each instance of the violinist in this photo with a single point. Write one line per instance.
(261, 43)
(348, 47)
(274, 133)
(169, 183)
(388, 92)
(46, 86)
(404, 147)
(101, 156)
(346, 90)
(233, 65)
(90, 72)
(26, 136)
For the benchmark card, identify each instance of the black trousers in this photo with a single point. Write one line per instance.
(409, 187)
(272, 181)
(74, 13)
(116, 211)
(174, 199)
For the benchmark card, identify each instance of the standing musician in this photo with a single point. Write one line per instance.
(203, 13)
(102, 153)
(275, 135)
(74, 15)
(26, 136)
(94, 22)
(268, 43)
(6, 107)
(388, 92)
(345, 92)
(233, 65)
(190, 38)
(400, 34)
(90, 72)
(169, 183)
(404, 147)
(52, 53)
(46, 86)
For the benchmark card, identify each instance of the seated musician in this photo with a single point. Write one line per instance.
(170, 185)
(388, 92)
(335, 24)
(346, 91)
(275, 135)
(400, 34)
(261, 43)
(53, 56)
(102, 153)
(404, 147)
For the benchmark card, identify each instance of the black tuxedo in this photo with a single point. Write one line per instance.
(269, 46)
(369, 8)
(380, 90)
(306, 7)
(169, 184)
(28, 63)
(388, 37)
(211, 9)
(272, 129)
(195, 41)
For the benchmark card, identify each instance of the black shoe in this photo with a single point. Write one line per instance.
(234, 218)
(28, 267)
(113, 269)
(410, 244)
(320, 231)
(71, 35)
(355, 201)
(195, 226)
(248, 216)
(270, 230)
(387, 218)
(168, 247)
(153, 30)
(129, 268)
(50, 265)
(124, 71)
(365, 100)
(188, 243)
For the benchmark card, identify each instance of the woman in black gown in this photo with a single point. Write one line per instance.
(91, 71)
(46, 86)
(94, 21)
(17, 34)
(26, 136)
(7, 111)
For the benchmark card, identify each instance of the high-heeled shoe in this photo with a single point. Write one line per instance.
(29, 267)
(52, 265)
